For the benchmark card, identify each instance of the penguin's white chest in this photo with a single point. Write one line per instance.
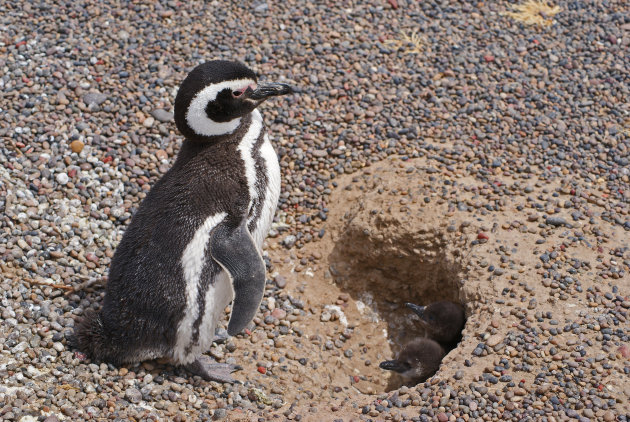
(263, 178)
(272, 192)
(262, 172)
(218, 292)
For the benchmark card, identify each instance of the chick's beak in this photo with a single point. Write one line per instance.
(264, 91)
(418, 310)
(394, 365)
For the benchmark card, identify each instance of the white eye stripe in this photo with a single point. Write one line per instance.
(196, 116)
(210, 93)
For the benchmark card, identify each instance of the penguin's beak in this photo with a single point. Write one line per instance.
(394, 365)
(264, 91)
(418, 310)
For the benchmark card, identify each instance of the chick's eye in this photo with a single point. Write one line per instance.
(237, 93)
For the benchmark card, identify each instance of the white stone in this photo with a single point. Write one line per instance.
(62, 178)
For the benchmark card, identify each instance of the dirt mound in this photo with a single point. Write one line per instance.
(384, 256)
(396, 233)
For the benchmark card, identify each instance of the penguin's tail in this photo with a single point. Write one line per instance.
(91, 337)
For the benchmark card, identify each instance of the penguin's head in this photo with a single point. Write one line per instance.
(444, 320)
(216, 95)
(417, 361)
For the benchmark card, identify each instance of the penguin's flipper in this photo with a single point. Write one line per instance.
(234, 249)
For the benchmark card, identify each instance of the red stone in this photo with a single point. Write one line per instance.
(482, 235)
(278, 313)
(262, 370)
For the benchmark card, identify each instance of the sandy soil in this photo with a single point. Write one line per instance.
(386, 244)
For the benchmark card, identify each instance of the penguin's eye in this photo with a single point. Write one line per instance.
(237, 94)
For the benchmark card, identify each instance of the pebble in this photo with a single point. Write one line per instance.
(133, 395)
(280, 281)
(494, 340)
(556, 221)
(162, 115)
(219, 414)
(94, 98)
(148, 122)
(160, 154)
(279, 313)
(62, 178)
(76, 146)
(289, 241)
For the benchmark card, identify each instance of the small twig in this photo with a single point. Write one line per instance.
(17, 149)
(53, 285)
(412, 39)
(534, 12)
(88, 283)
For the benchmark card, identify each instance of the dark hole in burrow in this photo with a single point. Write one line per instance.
(382, 271)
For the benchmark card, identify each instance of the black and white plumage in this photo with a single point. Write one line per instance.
(195, 242)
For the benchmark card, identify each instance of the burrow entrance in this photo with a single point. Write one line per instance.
(383, 262)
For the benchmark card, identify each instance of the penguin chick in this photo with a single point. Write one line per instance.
(195, 242)
(417, 361)
(443, 321)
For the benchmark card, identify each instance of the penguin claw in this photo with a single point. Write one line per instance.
(210, 370)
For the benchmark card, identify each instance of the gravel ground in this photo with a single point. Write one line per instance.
(86, 94)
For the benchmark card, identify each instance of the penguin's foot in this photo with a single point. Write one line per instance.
(220, 336)
(210, 370)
